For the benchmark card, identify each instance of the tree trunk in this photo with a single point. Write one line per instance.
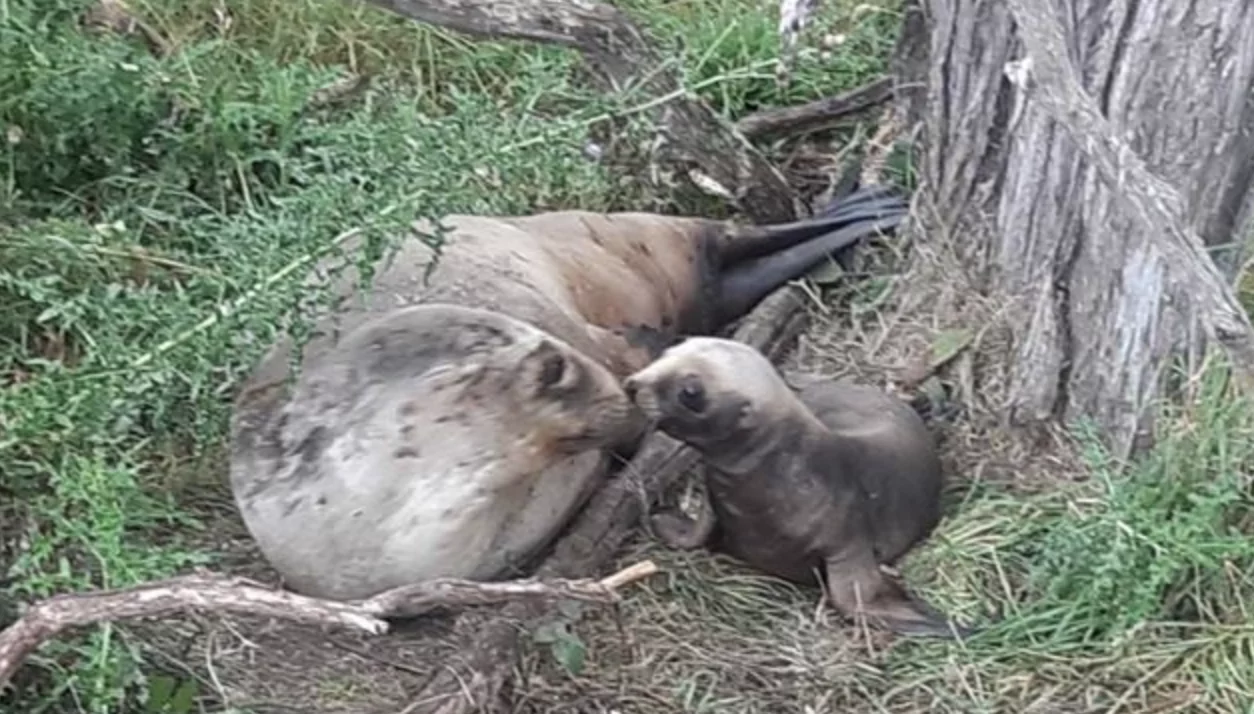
(1080, 160)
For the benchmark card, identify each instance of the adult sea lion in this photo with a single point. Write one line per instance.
(827, 482)
(608, 292)
(430, 442)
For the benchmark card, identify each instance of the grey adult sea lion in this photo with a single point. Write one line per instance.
(608, 291)
(430, 442)
(830, 482)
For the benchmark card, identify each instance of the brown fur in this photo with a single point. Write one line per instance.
(832, 482)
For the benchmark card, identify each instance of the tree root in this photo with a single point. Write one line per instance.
(818, 114)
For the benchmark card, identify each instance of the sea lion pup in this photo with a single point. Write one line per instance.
(430, 441)
(615, 288)
(833, 481)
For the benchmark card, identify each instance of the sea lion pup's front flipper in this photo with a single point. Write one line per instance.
(682, 532)
(758, 259)
(856, 584)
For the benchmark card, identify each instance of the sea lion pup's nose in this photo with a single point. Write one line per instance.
(630, 386)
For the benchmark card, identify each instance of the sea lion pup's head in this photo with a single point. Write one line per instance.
(709, 392)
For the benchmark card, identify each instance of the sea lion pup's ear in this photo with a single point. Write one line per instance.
(546, 368)
(746, 415)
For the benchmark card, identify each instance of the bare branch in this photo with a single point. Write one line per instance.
(218, 593)
(818, 114)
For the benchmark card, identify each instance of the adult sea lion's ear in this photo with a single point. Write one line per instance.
(546, 366)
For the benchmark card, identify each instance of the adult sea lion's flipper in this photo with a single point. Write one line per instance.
(875, 203)
(857, 585)
(746, 283)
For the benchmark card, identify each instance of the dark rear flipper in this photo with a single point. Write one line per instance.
(856, 585)
(743, 285)
(745, 243)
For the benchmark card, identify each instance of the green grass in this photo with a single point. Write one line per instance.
(147, 206)
(152, 210)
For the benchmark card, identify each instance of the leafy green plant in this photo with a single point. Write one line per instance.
(564, 644)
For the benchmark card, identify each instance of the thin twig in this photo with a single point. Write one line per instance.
(219, 593)
(230, 308)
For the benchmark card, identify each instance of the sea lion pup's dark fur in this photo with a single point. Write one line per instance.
(835, 480)
(614, 288)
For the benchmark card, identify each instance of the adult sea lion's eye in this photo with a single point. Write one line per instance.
(552, 369)
(692, 397)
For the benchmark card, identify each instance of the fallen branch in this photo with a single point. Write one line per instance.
(218, 593)
(491, 643)
(699, 144)
(818, 114)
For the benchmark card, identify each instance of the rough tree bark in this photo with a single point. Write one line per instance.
(1092, 152)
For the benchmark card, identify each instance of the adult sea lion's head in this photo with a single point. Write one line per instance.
(571, 402)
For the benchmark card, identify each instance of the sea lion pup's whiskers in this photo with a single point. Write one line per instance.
(837, 478)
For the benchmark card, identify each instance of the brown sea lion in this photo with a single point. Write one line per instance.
(613, 288)
(827, 482)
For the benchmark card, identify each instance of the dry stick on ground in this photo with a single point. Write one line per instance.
(699, 141)
(490, 642)
(218, 593)
(818, 114)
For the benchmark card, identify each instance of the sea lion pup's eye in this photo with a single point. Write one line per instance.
(692, 396)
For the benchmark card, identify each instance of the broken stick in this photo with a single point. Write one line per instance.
(219, 593)
(818, 114)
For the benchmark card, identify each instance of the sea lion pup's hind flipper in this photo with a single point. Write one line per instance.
(856, 583)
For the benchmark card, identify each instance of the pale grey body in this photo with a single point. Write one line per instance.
(427, 443)
(830, 482)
